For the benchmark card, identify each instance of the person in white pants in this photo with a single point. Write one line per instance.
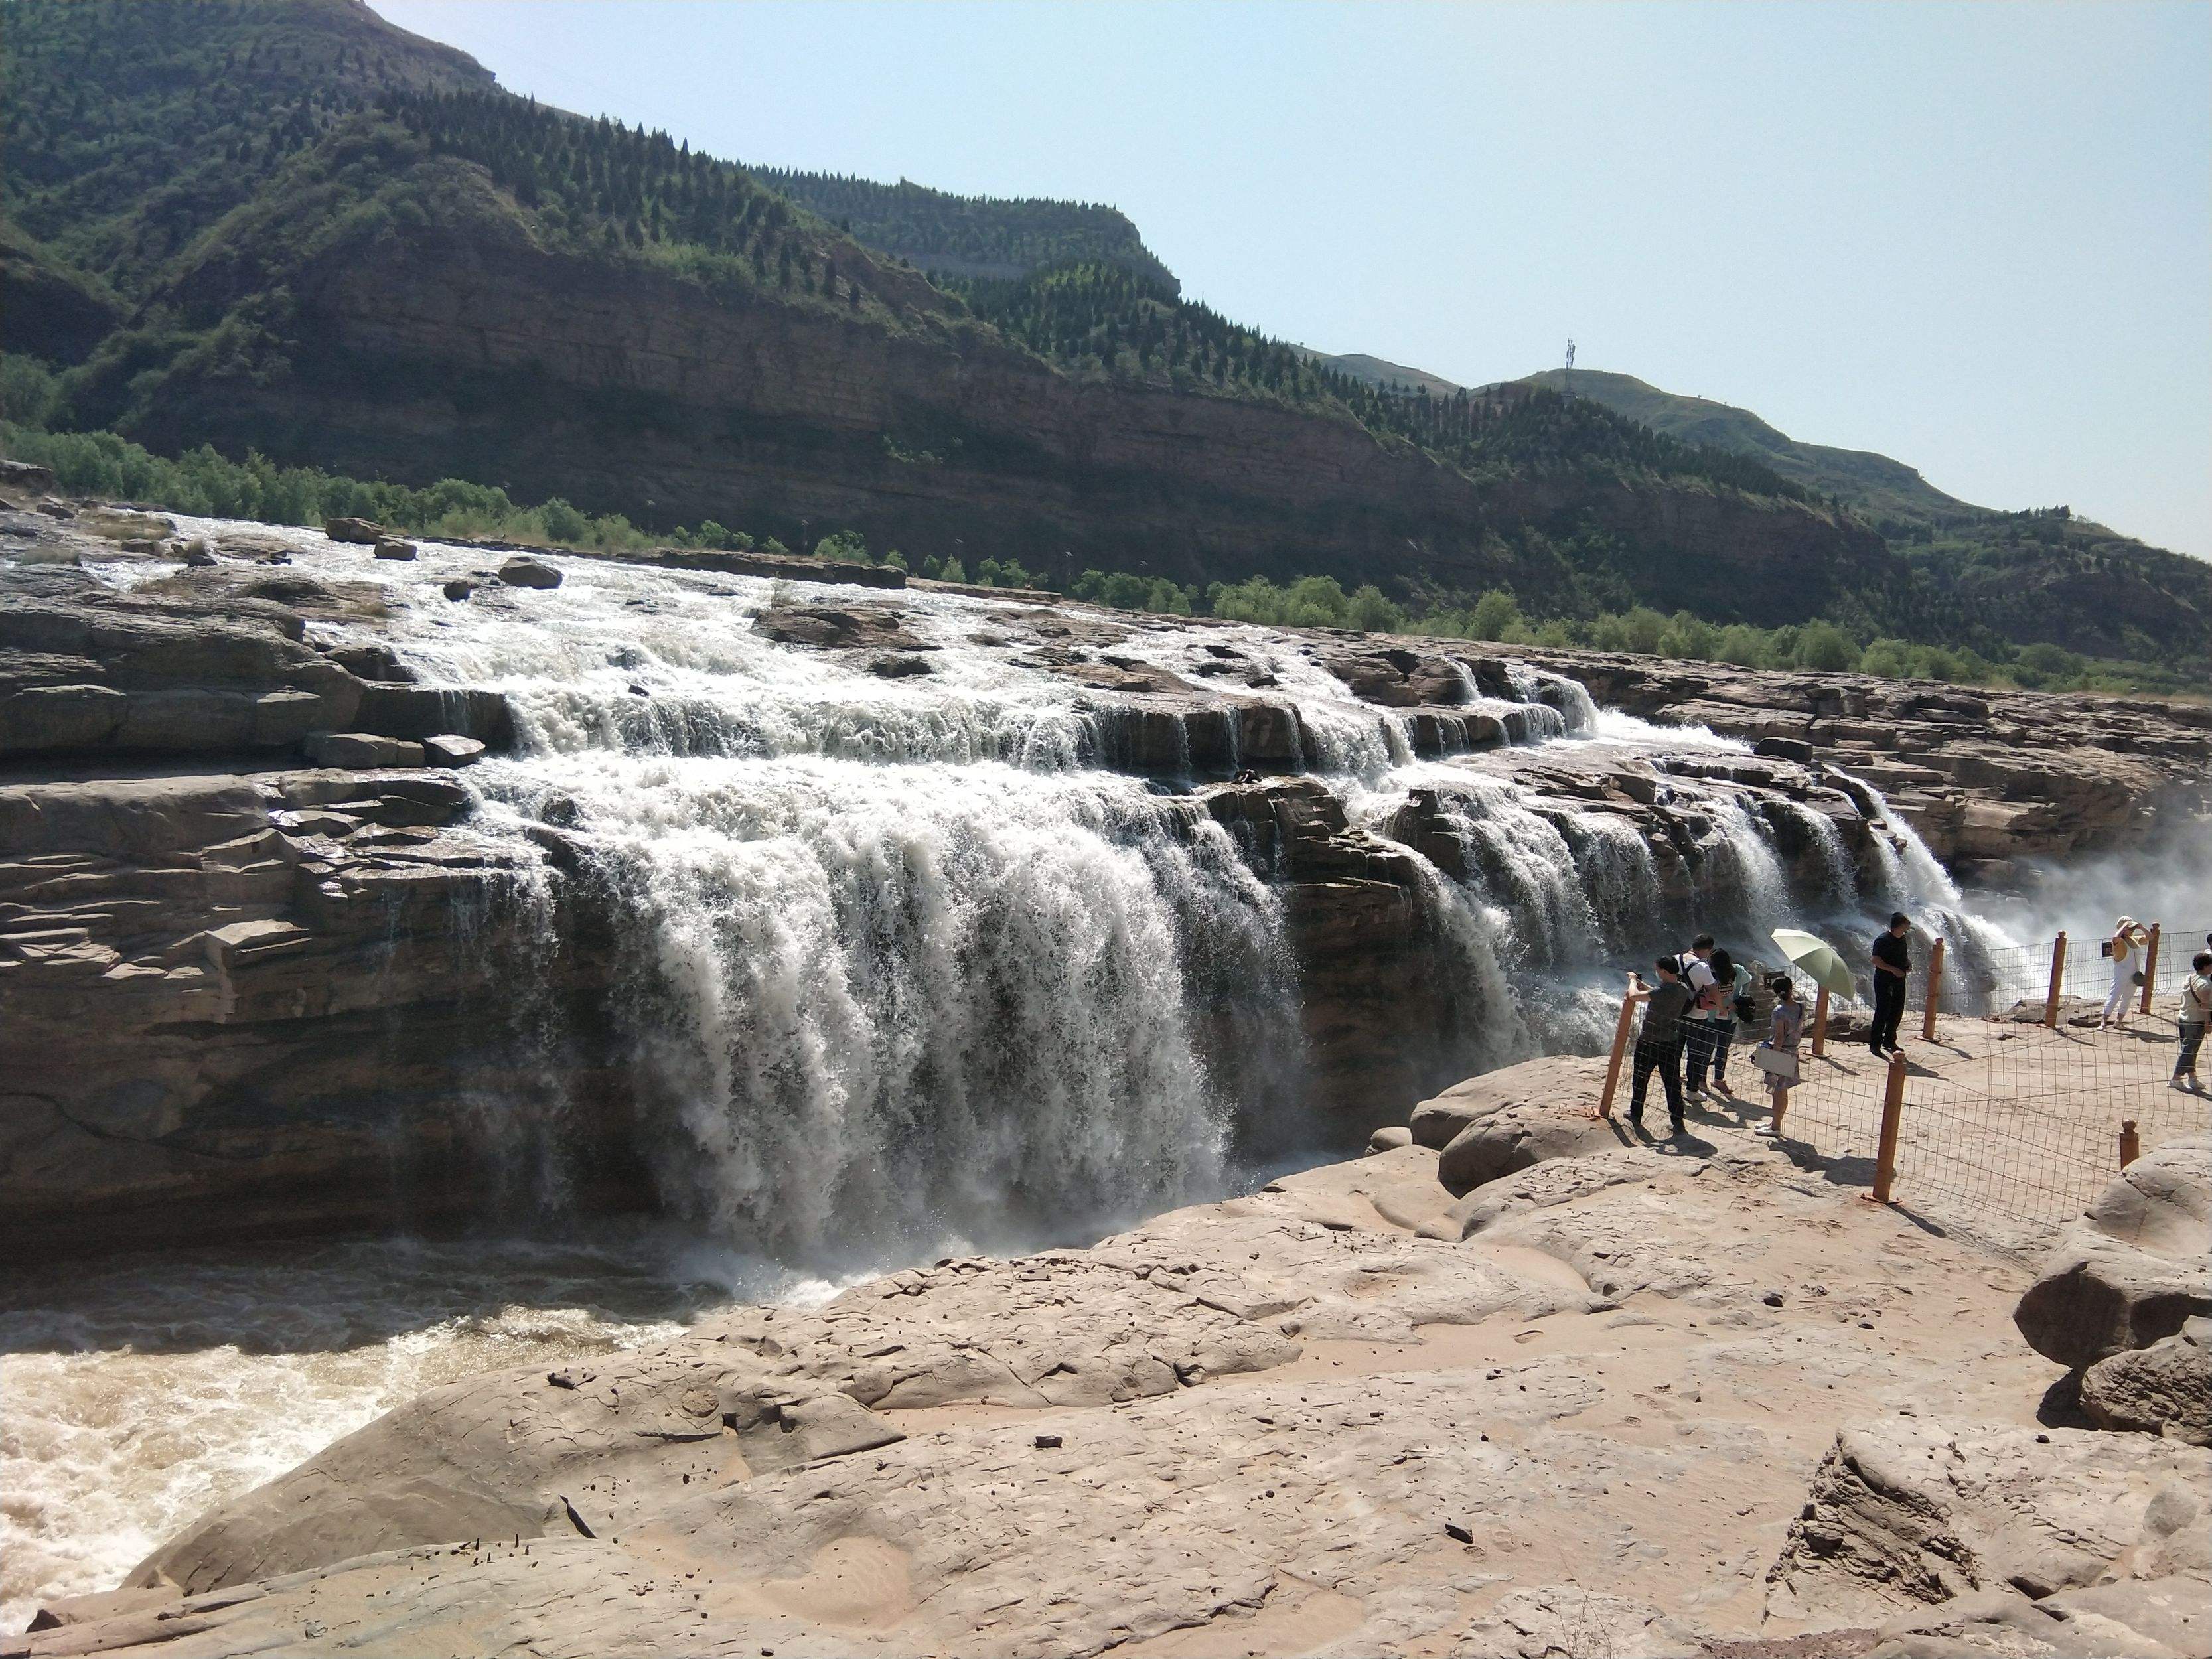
(2129, 943)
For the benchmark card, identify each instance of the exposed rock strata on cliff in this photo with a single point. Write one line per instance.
(1278, 1423)
(466, 348)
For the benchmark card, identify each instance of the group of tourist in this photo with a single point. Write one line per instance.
(1691, 1017)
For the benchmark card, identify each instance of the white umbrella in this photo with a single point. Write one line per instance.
(1818, 958)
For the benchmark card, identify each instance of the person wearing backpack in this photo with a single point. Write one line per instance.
(2196, 1014)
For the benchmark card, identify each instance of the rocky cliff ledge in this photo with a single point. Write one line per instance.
(1696, 1400)
(260, 948)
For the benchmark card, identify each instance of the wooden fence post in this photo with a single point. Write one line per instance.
(1892, 1114)
(2057, 980)
(1934, 992)
(2150, 968)
(2131, 1142)
(1821, 1024)
(1620, 1047)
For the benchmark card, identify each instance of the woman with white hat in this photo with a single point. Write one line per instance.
(2129, 940)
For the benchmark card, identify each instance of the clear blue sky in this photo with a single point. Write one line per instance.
(1976, 237)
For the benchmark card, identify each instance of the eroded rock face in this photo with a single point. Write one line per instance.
(2134, 1268)
(270, 990)
(2165, 1388)
(1916, 1512)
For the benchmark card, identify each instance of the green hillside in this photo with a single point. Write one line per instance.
(1891, 494)
(1381, 373)
(286, 197)
(984, 236)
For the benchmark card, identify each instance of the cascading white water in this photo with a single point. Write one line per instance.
(905, 1003)
(1914, 880)
(1839, 884)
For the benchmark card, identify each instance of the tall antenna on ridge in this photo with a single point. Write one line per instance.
(1570, 368)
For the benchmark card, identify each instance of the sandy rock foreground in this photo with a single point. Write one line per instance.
(1693, 1400)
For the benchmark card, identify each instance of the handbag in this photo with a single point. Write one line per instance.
(2138, 976)
(1777, 1063)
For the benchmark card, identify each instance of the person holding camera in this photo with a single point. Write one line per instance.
(2127, 946)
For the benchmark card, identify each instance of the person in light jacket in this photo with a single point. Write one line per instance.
(2129, 941)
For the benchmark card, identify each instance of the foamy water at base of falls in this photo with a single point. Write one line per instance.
(915, 972)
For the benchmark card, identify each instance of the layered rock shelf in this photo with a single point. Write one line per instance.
(1984, 776)
(246, 890)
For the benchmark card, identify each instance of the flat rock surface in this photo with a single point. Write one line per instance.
(1287, 1423)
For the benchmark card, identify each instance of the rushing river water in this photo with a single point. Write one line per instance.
(918, 972)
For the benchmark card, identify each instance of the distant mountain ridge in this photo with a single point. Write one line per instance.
(1886, 490)
(985, 236)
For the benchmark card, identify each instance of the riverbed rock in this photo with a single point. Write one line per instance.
(2133, 1269)
(2165, 1388)
(362, 532)
(529, 572)
(1922, 1512)
(391, 548)
(448, 751)
(1514, 1119)
(355, 749)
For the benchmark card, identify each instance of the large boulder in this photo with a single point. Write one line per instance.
(529, 572)
(523, 1454)
(2134, 1267)
(1492, 1125)
(2165, 1389)
(360, 531)
(1914, 1511)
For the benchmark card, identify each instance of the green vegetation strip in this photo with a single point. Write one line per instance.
(203, 482)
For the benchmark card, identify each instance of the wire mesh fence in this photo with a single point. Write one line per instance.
(2033, 1073)
(2023, 1103)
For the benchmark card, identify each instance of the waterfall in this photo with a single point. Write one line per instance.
(900, 962)
(1912, 879)
(906, 1002)
(1839, 884)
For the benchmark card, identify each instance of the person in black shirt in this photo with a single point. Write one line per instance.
(1659, 1042)
(1893, 967)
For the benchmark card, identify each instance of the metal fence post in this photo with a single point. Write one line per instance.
(2151, 968)
(1821, 1024)
(2131, 1142)
(1892, 1114)
(1935, 992)
(2057, 980)
(1620, 1047)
